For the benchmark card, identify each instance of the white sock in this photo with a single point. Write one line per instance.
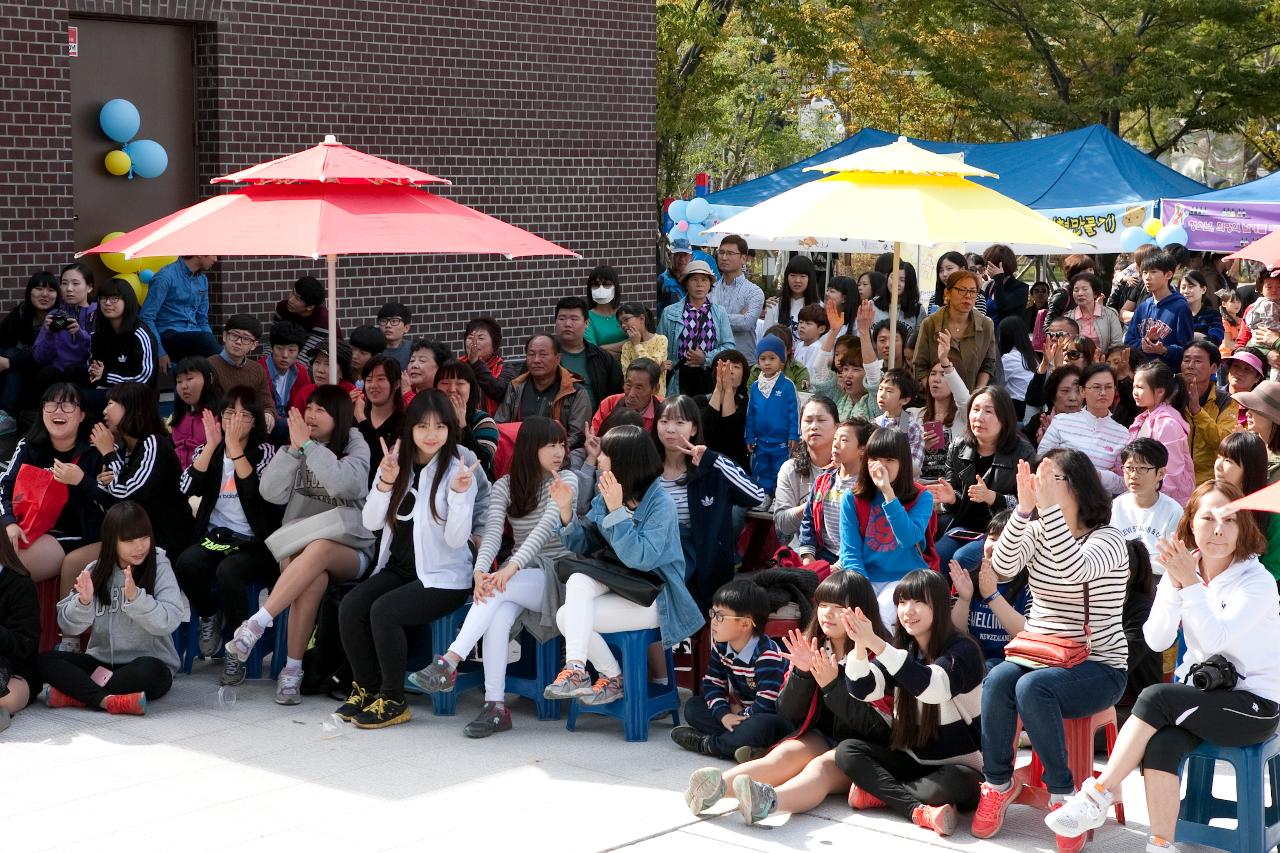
(293, 663)
(262, 619)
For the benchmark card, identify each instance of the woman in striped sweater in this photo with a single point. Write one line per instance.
(526, 585)
(1071, 551)
(1093, 429)
(930, 767)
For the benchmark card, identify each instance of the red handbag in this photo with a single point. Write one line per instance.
(38, 500)
(1045, 650)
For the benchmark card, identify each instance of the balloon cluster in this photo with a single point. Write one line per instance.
(138, 272)
(692, 217)
(145, 158)
(1152, 231)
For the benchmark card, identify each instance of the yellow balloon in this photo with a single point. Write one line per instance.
(117, 262)
(118, 163)
(139, 289)
(158, 262)
(1153, 226)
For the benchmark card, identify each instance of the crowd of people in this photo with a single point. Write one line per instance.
(996, 470)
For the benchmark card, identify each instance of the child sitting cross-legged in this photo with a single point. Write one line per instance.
(736, 716)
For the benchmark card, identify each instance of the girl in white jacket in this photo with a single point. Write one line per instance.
(1226, 603)
(423, 501)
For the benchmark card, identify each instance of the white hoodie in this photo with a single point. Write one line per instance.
(1236, 615)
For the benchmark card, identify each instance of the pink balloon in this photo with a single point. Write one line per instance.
(682, 225)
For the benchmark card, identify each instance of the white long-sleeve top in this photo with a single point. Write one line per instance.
(1236, 615)
(441, 556)
(1101, 439)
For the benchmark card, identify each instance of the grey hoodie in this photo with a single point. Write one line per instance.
(127, 630)
(316, 480)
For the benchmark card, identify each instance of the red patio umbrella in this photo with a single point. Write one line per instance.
(1265, 250)
(339, 213)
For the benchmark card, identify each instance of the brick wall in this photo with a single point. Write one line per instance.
(541, 114)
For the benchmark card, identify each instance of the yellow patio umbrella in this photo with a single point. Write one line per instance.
(904, 194)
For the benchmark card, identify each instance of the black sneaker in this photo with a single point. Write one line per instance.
(354, 705)
(233, 672)
(383, 711)
(687, 737)
(492, 719)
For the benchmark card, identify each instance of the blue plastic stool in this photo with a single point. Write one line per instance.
(641, 700)
(186, 638)
(442, 634)
(1257, 826)
(546, 665)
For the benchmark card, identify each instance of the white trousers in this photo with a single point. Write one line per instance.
(491, 620)
(590, 610)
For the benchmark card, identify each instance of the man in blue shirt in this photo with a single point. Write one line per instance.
(1161, 325)
(177, 310)
(741, 298)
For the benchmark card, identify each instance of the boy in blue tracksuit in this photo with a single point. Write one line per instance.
(773, 414)
(738, 709)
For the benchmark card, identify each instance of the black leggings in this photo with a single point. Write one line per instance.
(904, 783)
(373, 618)
(70, 671)
(1183, 716)
(197, 568)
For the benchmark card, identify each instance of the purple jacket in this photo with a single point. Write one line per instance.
(61, 350)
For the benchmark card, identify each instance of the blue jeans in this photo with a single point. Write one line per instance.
(179, 345)
(1043, 698)
(967, 554)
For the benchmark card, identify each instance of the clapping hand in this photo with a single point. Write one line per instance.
(1179, 563)
(987, 580)
(961, 581)
(1028, 491)
(799, 650)
(212, 429)
(562, 495)
(824, 667)
(944, 348)
(130, 588)
(84, 587)
(464, 478)
(611, 490)
(299, 432)
(835, 317)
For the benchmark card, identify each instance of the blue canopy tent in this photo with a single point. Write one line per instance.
(1088, 180)
(1229, 219)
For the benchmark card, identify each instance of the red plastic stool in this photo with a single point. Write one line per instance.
(775, 629)
(1080, 735)
(47, 597)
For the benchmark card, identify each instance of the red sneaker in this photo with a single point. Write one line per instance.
(860, 799)
(127, 703)
(989, 817)
(55, 698)
(941, 819)
(1065, 844)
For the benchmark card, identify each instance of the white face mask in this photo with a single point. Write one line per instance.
(602, 295)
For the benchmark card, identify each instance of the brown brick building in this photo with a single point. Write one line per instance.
(541, 114)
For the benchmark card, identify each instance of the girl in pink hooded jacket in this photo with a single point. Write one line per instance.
(1156, 391)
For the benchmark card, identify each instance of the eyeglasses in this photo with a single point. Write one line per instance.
(1071, 355)
(965, 291)
(719, 616)
(1098, 389)
(727, 252)
(103, 300)
(1138, 469)
(236, 414)
(391, 321)
(64, 406)
(241, 338)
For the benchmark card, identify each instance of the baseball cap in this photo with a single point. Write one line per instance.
(680, 246)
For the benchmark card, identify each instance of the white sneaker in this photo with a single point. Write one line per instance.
(288, 686)
(1084, 810)
(1152, 847)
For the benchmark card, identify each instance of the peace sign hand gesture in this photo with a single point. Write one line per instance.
(463, 479)
(389, 467)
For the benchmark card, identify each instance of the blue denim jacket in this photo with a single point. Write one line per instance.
(647, 540)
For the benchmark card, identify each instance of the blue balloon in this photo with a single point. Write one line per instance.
(119, 120)
(145, 276)
(1133, 237)
(149, 158)
(676, 210)
(697, 210)
(1170, 234)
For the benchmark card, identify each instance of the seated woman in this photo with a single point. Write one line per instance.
(476, 428)
(884, 519)
(999, 612)
(818, 418)
(930, 769)
(379, 408)
(636, 517)
(724, 410)
(325, 467)
(18, 332)
(19, 635)
(702, 481)
(61, 351)
(55, 443)
(801, 772)
(232, 521)
(130, 599)
(122, 349)
(196, 391)
(1092, 429)
(1071, 551)
(423, 502)
(1061, 393)
(482, 342)
(526, 582)
(1225, 602)
(943, 414)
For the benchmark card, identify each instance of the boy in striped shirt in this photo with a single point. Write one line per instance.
(737, 714)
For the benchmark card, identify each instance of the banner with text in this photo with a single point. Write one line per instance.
(1221, 226)
(1102, 225)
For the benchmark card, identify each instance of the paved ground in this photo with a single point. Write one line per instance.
(196, 775)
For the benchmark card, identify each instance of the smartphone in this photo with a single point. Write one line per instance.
(965, 535)
(101, 676)
(934, 428)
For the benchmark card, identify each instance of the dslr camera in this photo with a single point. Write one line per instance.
(59, 320)
(1213, 673)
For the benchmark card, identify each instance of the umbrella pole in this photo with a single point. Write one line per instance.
(893, 304)
(333, 318)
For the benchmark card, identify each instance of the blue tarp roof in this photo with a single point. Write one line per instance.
(1080, 168)
(1265, 189)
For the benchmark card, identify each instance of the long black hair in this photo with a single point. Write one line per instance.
(940, 285)
(683, 408)
(123, 522)
(915, 723)
(250, 402)
(1007, 441)
(1013, 336)
(888, 444)
(209, 395)
(846, 589)
(454, 369)
(335, 400)
(141, 410)
(526, 478)
(27, 310)
(909, 300)
(426, 405)
(633, 459)
(129, 319)
(801, 265)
